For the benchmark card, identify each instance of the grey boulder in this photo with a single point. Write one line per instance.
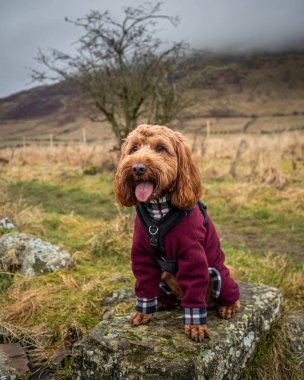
(30, 255)
(160, 350)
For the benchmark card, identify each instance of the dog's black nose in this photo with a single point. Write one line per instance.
(139, 169)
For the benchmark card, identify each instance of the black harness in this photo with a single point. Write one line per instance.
(158, 229)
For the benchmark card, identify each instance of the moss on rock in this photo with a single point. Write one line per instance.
(160, 350)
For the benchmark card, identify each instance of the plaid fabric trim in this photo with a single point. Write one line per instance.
(159, 208)
(195, 315)
(217, 282)
(146, 305)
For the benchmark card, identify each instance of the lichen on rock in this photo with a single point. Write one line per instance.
(30, 255)
(160, 350)
(295, 325)
(6, 224)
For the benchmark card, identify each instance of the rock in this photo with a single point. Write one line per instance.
(30, 255)
(60, 356)
(295, 325)
(160, 350)
(120, 278)
(118, 296)
(107, 315)
(6, 372)
(6, 224)
(13, 362)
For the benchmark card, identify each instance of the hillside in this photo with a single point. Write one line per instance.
(254, 92)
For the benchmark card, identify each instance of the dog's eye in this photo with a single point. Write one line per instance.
(159, 148)
(133, 149)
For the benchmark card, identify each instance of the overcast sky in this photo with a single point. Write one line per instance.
(233, 25)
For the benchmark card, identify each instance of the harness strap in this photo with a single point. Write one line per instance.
(167, 265)
(203, 209)
(158, 229)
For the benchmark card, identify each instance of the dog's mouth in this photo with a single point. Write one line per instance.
(143, 190)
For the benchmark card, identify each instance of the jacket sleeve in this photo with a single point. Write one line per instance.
(193, 277)
(146, 272)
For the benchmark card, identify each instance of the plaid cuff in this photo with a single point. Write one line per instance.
(146, 305)
(217, 282)
(195, 316)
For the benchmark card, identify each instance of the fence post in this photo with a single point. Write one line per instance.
(237, 159)
(208, 128)
(51, 140)
(84, 136)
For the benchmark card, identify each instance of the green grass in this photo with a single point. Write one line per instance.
(6, 281)
(65, 199)
(264, 221)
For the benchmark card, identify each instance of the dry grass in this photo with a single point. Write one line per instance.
(70, 300)
(278, 146)
(24, 304)
(20, 213)
(266, 158)
(275, 359)
(80, 155)
(270, 175)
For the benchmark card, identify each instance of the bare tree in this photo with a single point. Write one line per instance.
(122, 68)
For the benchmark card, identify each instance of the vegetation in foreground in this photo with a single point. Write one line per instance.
(258, 212)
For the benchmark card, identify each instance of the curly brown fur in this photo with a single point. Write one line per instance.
(171, 170)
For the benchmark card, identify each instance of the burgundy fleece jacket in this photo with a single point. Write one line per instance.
(195, 247)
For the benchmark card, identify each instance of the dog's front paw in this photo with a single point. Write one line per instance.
(229, 311)
(138, 318)
(197, 332)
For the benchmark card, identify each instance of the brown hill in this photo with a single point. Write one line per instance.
(41, 102)
(231, 90)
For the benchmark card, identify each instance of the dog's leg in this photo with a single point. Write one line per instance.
(229, 311)
(170, 280)
(211, 303)
(197, 332)
(138, 318)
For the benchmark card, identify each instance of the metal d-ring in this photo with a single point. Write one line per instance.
(155, 231)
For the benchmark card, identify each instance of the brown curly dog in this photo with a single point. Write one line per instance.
(157, 174)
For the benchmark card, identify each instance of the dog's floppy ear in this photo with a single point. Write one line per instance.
(123, 192)
(188, 186)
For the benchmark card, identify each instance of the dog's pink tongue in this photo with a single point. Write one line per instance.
(143, 191)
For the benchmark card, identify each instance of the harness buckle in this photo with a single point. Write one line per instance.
(154, 242)
(153, 230)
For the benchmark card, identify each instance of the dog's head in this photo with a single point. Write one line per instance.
(155, 161)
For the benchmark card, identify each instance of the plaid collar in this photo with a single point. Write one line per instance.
(157, 209)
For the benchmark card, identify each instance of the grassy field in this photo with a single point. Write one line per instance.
(258, 210)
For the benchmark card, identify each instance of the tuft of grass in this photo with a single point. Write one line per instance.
(274, 359)
(269, 269)
(6, 280)
(58, 301)
(17, 210)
